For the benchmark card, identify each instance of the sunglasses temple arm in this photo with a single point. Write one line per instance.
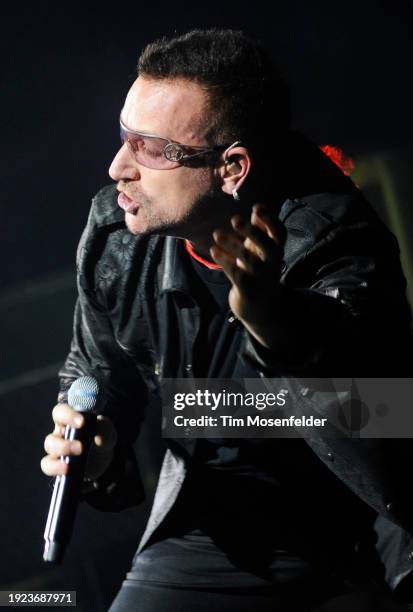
(214, 150)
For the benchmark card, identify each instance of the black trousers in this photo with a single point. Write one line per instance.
(189, 573)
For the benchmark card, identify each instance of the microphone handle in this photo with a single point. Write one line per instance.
(66, 491)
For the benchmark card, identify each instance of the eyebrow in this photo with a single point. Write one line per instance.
(170, 140)
(144, 133)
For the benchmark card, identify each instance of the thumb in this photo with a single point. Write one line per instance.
(101, 450)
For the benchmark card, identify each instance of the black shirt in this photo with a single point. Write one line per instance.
(253, 497)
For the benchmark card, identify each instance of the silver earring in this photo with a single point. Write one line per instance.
(235, 195)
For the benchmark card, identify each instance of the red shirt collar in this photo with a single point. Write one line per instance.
(194, 254)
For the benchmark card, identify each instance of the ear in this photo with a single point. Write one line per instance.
(235, 169)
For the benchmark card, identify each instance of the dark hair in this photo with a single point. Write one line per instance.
(248, 98)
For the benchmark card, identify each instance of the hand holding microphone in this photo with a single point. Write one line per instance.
(80, 448)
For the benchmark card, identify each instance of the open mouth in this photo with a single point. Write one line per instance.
(128, 205)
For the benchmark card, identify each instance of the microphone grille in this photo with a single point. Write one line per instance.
(83, 394)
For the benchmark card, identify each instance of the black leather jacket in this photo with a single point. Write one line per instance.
(135, 322)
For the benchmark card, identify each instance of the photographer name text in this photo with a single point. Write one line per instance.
(248, 421)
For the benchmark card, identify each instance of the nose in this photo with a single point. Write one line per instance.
(124, 166)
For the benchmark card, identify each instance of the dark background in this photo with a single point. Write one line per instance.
(64, 75)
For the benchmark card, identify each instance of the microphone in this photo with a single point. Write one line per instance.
(83, 397)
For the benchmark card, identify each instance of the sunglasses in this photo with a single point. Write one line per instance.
(162, 153)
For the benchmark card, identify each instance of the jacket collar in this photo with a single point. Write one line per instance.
(173, 269)
(173, 274)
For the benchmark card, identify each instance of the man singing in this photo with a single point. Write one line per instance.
(232, 247)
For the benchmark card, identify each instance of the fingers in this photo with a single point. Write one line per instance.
(53, 467)
(256, 242)
(58, 449)
(233, 252)
(63, 415)
(101, 451)
(269, 222)
(228, 263)
(264, 230)
(106, 436)
(56, 446)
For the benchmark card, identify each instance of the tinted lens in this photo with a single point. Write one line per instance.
(148, 150)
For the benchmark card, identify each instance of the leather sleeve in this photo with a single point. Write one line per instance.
(95, 352)
(343, 309)
(345, 315)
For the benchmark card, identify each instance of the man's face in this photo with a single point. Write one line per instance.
(179, 201)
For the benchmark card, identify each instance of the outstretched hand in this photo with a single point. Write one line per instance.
(251, 258)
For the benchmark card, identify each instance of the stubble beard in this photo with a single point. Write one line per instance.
(199, 219)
